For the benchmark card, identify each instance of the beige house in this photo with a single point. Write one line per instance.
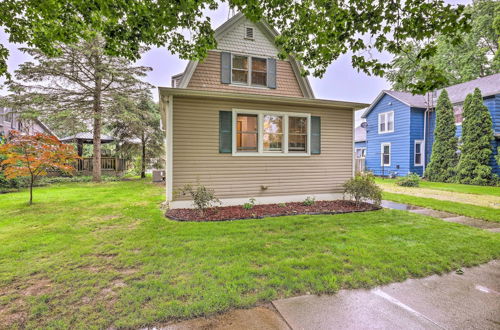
(246, 124)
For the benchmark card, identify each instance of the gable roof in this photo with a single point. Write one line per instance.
(489, 85)
(360, 134)
(270, 33)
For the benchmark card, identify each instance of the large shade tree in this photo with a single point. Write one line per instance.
(316, 32)
(139, 119)
(79, 84)
(476, 55)
(444, 149)
(476, 149)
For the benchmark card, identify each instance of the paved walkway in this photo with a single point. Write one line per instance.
(450, 217)
(451, 301)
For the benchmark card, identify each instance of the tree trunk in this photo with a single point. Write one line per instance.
(96, 158)
(143, 163)
(31, 190)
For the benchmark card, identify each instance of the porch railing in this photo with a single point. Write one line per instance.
(107, 164)
(359, 164)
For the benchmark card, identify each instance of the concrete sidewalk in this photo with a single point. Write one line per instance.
(451, 301)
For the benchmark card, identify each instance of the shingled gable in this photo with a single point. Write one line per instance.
(270, 33)
(489, 85)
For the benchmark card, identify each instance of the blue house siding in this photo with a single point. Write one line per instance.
(360, 144)
(399, 139)
(416, 133)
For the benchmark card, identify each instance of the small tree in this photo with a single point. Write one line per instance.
(444, 149)
(476, 150)
(33, 155)
(363, 188)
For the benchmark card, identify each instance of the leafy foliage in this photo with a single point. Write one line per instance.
(203, 197)
(444, 156)
(139, 119)
(309, 201)
(477, 134)
(362, 187)
(75, 89)
(34, 155)
(476, 55)
(317, 33)
(250, 204)
(411, 180)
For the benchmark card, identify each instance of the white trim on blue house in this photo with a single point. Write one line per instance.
(382, 145)
(421, 143)
(386, 122)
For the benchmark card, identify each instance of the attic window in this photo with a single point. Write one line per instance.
(249, 33)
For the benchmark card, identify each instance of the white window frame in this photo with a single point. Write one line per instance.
(382, 145)
(421, 142)
(362, 149)
(249, 75)
(386, 122)
(260, 133)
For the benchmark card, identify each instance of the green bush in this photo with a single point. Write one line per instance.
(309, 201)
(203, 198)
(250, 204)
(412, 180)
(7, 185)
(363, 188)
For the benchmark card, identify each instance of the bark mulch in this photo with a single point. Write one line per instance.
(268, 210)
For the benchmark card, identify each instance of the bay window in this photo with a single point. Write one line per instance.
(268, 133)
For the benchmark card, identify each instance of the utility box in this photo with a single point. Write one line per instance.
(158, 176)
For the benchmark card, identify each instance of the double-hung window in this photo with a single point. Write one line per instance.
(418, 150)
(386, 122)
(360, 153)
(270, 133)
(249, 70)
(385, 154)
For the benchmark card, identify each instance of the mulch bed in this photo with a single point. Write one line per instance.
(268, 210)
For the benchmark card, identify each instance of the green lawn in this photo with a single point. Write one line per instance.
(102, 255)
(469, 210)
(454, 187)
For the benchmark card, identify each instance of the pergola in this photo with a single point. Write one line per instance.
(85, 138)
(108, 164)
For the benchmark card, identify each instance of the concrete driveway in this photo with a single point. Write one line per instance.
(451, 301)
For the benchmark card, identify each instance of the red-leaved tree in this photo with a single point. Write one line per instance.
(34, 155)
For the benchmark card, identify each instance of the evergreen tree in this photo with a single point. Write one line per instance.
(444, 149)
(476, 149)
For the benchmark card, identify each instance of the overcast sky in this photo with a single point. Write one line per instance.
(341, 81)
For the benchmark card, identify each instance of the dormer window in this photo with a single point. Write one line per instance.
(249, 33)
(249, 70)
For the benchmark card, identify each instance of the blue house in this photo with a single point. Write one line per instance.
(400, 126)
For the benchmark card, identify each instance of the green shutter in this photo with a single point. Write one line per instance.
(271, 73)
(225, 132)
(225, 67)
(315, 135)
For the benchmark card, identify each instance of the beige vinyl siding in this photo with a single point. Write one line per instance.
(207, 77)
(196, 156)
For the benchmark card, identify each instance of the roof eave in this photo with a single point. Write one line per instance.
(185, 92)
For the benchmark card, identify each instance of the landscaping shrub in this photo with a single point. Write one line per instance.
(363, 188)
(309, 201)
(8, 185)
(412, 180)
(250, 204)
(203, 198)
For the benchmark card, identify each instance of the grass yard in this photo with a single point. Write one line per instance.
(102, 255)
(473, 201)
(453, 187)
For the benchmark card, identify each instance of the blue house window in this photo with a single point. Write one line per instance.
(386, 122)
(418, 159)
(385, 154)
